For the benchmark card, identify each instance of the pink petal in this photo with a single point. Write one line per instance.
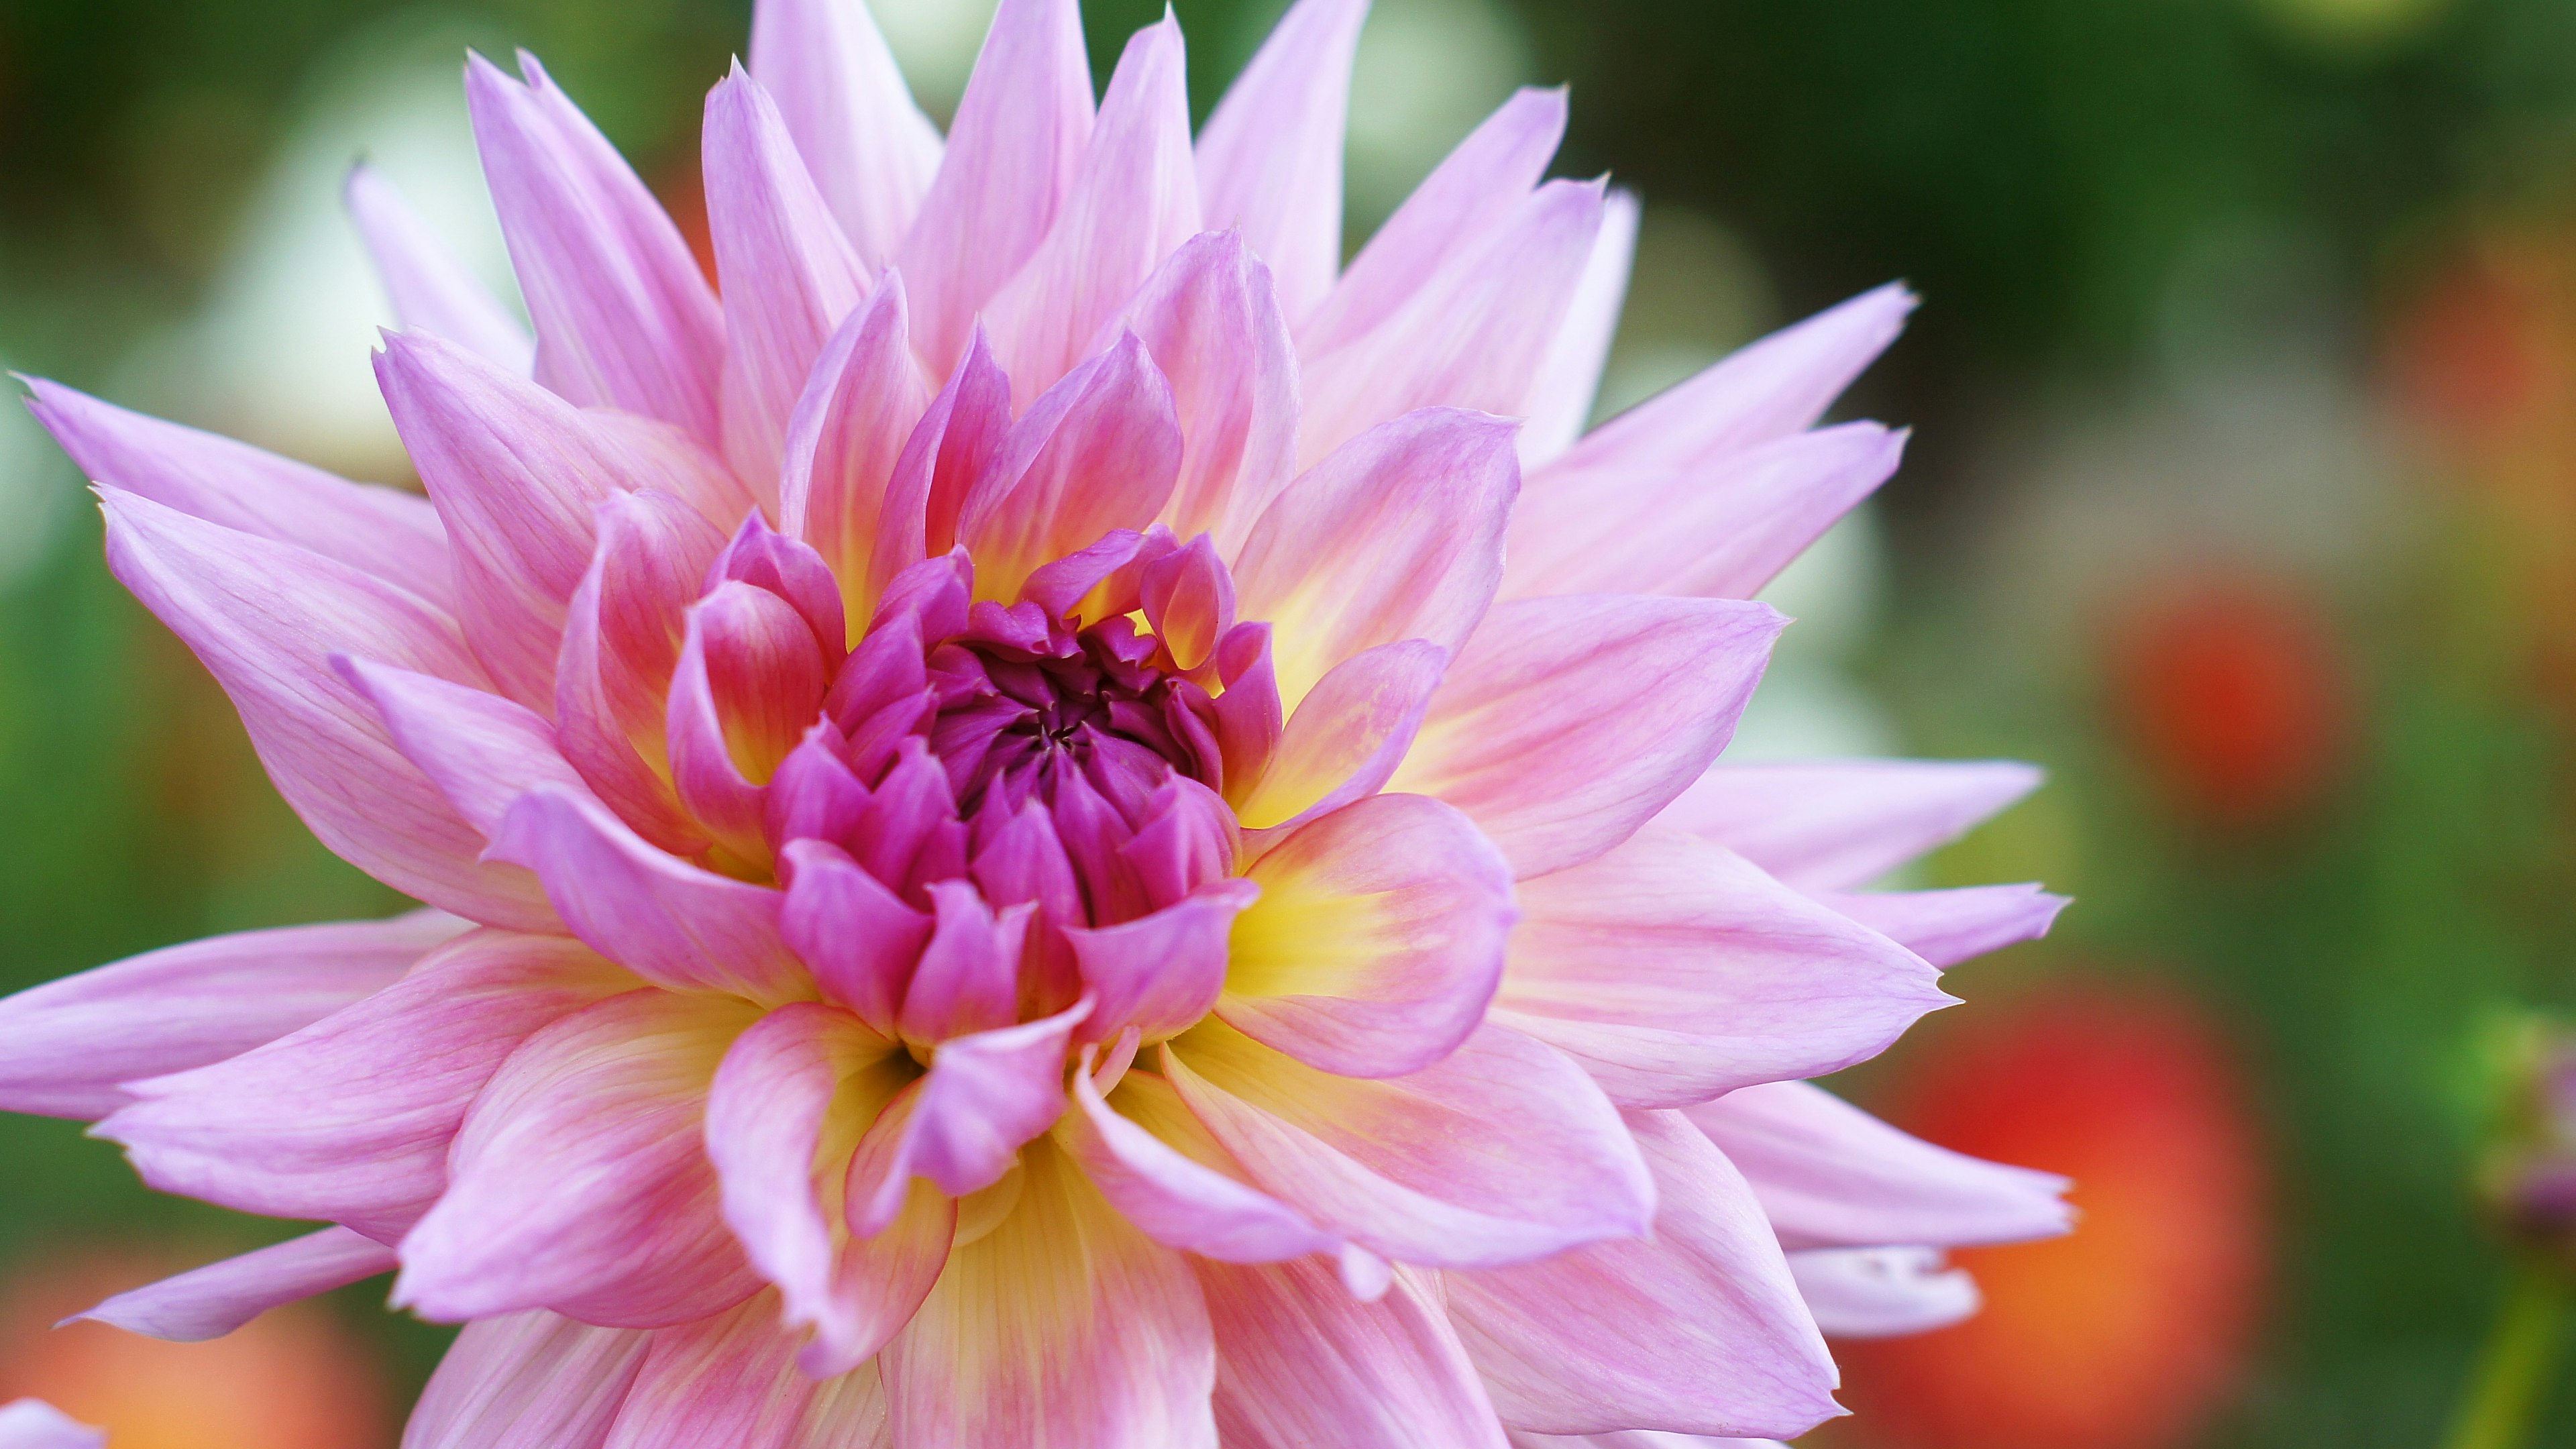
(1348, 736)
(859, 407)
(1209, 318)
(393, 535)
(1134, 200)
(1300, 1362)
(1378, 939)
(1160, 972)
(1674, 971)
(803, 1077)
(963, 1125)
(1468, 194)
(482, 751)
(732, 1380)
(1500, 1153)
(1568, 722)
(1835, 824)
(859, 938)
(621, 644)
(624, 317)
(1154, 1163)
(35, 1424)
(1698, 1329)
(1561, 402)
(1013, 153)
(1883, 1292)
(65, 1045)
(1722, 528)
(266, 619)
(1397, 535)
(968, 978)
(749, 685)
(527, 1381)
(947, 451)
(349, 1119)
(1948, 927)
(1636, 1439)
(580, 1181)
(1065, 1327)
(1270, 157)
(1099, 451)
(212, 1301)
(1475, 336)
(517, 475)
(870, 149)
(1769, 390)
(672, 923)
(789, 275)
(1830, 1175)
(430, 289)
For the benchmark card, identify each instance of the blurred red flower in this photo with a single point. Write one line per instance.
(2130, 1332)
(2236, 696)
(295, 1378)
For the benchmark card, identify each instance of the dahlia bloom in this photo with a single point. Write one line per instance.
(35, 1424)
(1047, 819)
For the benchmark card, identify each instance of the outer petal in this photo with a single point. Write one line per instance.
(1466, 195)
(1566, 723)
(962, 1125)
(220, 1297)
(870, 149)
(947, 452)
(1134, 200)
(670, 922)
(732, 1380)
(1561, 402)
(1722, 529)
(1099, 452)
(66, 1044)
(1397, 535)
(1637, 1439)
(749, 685)
(430, 289)
(518, 474)
(1830, 1175)
(1476, 335)
(1377, 941)
(1948, 927)
(527, 1381)
(859, 407)
(1211, 321)
(1065, 1326)
(393, 535)
(580, 1182)
(1769, 390)
(1270, 157)
(1349, 734)
(482, 751)
(1883, 1292)
(1698, 1329)
(1300, 1362)
(1501, 1153)
(624, 317)
(1674, 972)
(349, 1119)
(1834, 824)
(789, 275)
(266, 618)
(1013, 153)
(35, 1424)
(786, 1105)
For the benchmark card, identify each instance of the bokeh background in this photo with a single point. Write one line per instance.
(2242, 496)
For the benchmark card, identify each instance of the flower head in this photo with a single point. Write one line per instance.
(1051, 819)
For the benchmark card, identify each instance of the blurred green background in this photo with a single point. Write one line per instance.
(2242, 496)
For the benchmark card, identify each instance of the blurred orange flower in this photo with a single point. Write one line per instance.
(293, 1379)
(2130, 1332)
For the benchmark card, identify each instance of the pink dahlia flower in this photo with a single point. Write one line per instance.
(1049, 819)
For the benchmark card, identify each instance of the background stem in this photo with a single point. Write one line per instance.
(2513, 1375)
